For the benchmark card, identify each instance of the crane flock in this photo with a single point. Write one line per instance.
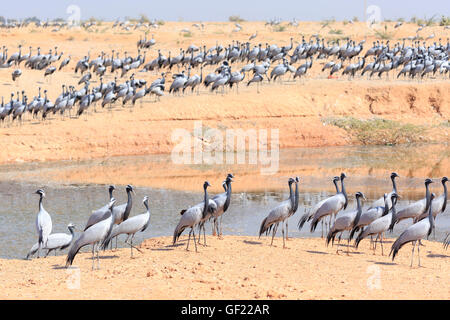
(110, 221)
(230, 64)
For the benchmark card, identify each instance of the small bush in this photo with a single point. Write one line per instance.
(335, 31)
(444, 21)
(279, 28)
(327, 22)
(431, 21)
(144, 18)
(235, 18)
(378, 131)
(384, 34)
(446, 124)
(425, 22)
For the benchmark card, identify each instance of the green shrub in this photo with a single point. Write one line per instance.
(378, 131)
(235, 18)
(279, 28)
(335, 31)
(444, 21)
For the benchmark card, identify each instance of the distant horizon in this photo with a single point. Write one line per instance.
(128, 18)
(205, 11)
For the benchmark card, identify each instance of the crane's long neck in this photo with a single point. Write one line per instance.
(128, 207)
(427, 197)
(394, 213)
(146, 206)
(112, 221)
(386, 207)
(228, 200)
(336, 185)
(358, 211)
(206, 203)
(41, 206)
(296, 198)
(148, 213)
(444, 205)
(344, 193)
(110, 194)
(430, 217)
(72, 233)
(394, 185)
(291, 196)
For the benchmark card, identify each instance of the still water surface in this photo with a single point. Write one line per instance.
(74, 203)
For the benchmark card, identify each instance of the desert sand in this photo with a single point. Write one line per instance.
(236, 267)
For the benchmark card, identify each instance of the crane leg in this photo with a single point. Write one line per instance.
(93, 246)
(348, 245)
(131, 246)
(282, 234)
(412, 255)
(98, 259)
(199, 232)
(195, 243)
(134, 247)
(217, 222)
(321, 236)
(375, 245)
(214, 227)
(273, 233)
(287, 230)
(381, 242)
(418, 254)
(220, 225)
(189, 239)
(204, 236)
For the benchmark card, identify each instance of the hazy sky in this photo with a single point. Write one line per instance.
(216, 10)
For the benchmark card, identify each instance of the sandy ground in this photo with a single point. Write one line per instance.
(295, 108)
(233, 268)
